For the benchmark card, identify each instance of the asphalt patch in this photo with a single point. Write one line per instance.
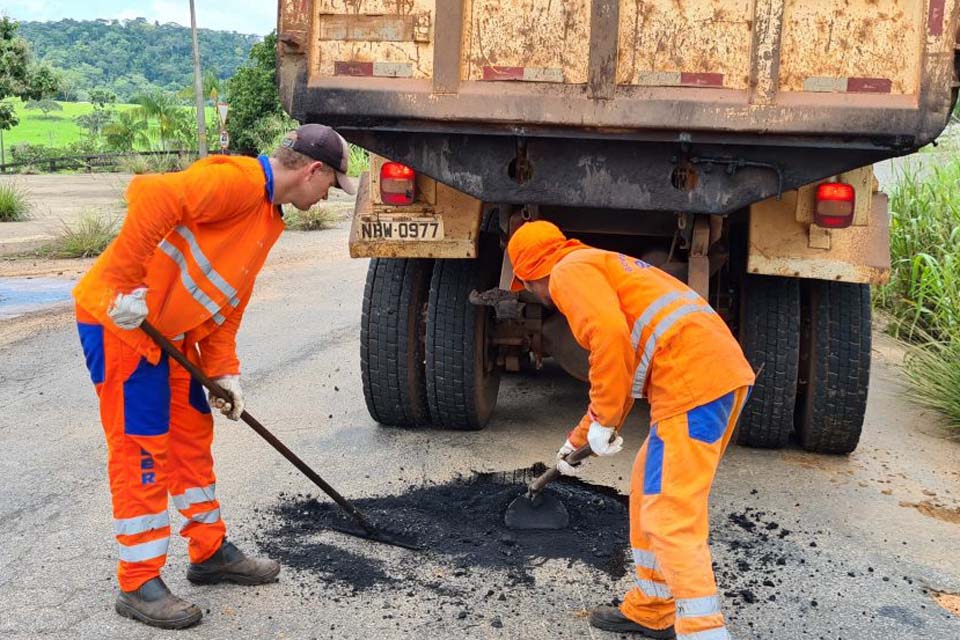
(460, 525)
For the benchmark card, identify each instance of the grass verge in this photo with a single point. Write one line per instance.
(14, 202)
(91, 234)
(316, 218)
(933, 372)
(923, 295)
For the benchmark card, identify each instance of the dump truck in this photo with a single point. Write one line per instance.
(728, 142)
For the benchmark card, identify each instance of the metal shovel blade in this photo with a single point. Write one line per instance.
(542, 511)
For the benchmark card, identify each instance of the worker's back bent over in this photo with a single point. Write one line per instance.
(186, 259)
(649, 335)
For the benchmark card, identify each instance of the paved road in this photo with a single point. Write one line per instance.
(855, 563)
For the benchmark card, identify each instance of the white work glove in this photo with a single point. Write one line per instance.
(599, 439)
(564, 467)
(129, 309)
(230, 384)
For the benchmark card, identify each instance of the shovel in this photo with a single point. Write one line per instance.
(537, 510)
(365, 530)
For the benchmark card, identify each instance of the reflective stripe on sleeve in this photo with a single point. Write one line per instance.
(140, 524)
(720, 633)
(653, 309)
(195, 495)
(640, 377)
(218, 281)
(144, 551)
(697, 607)
(653, 589)
(645, 559)
(189, 283)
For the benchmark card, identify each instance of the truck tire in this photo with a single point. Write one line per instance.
(835, 365)
(770, 337)
(392, 331)
(462, 377)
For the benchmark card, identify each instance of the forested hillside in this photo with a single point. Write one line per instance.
(130, 57)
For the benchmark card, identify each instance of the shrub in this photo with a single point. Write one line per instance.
(317, 218)
(359, 161)
(14, 202)
(933, 372)
(87, 238)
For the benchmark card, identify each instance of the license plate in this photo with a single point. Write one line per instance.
(414, 229)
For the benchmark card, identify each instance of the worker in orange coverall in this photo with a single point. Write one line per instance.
(186, 259)
(648, 335)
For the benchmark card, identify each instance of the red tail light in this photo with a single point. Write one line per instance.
(397, 183)
(835, 205)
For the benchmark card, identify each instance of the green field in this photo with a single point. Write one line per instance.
(59, 128)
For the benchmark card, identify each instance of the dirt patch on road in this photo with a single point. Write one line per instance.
(931, 509)
(31, 265)
(949, 601)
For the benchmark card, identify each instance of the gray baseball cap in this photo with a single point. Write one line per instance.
(322, 143)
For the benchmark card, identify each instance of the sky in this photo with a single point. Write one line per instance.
(245, 16)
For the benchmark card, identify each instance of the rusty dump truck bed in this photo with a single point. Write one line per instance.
(748, 97)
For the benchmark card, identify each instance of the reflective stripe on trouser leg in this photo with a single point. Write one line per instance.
(649, 602)
(140, 524)
(675, 518)
(698, 607)
(192, 481)
(145, 550)
(719, 633)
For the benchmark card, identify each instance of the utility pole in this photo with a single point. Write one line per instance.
(198, 86)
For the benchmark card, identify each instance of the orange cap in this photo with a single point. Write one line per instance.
(535, 248)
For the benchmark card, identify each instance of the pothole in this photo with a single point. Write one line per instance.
(460, 523)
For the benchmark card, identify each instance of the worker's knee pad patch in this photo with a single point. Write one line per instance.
(708, 422)
(198, 399)
(653, 465)
(146, 399)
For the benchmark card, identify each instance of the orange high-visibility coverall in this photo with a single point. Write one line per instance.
(649, 335)
(196, 239)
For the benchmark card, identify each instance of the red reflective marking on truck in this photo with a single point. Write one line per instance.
(502, 73)
(935, 17)
(869, 85)
(701, 79)
(346, 68)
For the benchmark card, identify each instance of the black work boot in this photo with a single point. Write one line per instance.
(229, 564)
(153, 604)
(611, 619)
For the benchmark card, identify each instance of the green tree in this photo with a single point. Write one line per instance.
(101, 97)
(95, 121)
(211, 88)
(46, 105)
(44, 81)
(183, 128)
(130, 57)
(19, 76)
(162, 107)
(129, 130)
(253, 95)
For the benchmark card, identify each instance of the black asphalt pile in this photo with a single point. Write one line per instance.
(460, 525)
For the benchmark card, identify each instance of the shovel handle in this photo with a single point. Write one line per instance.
(553, 473)
(254, 424)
